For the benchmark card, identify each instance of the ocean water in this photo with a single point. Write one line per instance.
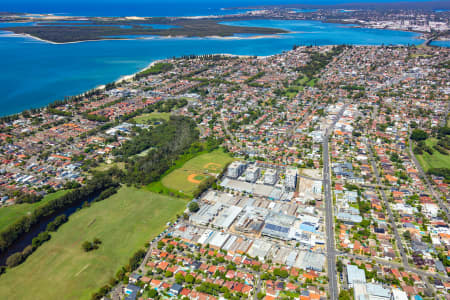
(150, 7)
(35, 73)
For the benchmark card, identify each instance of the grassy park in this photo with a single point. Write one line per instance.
(186, 177)
(435, 160)
(10, 214)
(60, 269)
(152, 117)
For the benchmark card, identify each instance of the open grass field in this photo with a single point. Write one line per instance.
(60, 269)
(312, 82)
(10, 214)
(436, 160)
(154, 116)
(187, 178)
(105, 166)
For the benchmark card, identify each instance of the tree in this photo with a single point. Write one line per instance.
(193, 207)
(152, 293)
(407, 235)
(189, 279)
(14, 260)
(168, 274)
(179, 278)
(339, 266)
(160, 245)
(260, 295)
(345, 295)
(40, 239)
(418, 135)
(87, 246)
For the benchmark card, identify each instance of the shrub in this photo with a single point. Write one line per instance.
(15, 259)
(87, 246)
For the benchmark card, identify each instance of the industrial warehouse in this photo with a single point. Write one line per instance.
(244, 217)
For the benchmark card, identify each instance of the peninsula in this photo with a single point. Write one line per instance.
(76, 29)
(433, 24)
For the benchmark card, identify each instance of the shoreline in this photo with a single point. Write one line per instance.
(152, 37)
(419, 35)
(58, 43)
(130, 77)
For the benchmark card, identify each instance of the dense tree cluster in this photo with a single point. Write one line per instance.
(319, 61)
(28, 198)
(58, 221)
(157, 68)
(419, 135)
(163, 144)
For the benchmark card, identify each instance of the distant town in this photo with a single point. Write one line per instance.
(318, 173)
(432, 24)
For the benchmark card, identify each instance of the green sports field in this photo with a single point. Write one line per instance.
(151, 117)
(60, 269)
(187, 178)
(436, 160)
(10, 214)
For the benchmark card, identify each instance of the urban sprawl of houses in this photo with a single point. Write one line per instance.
(325, 198)
(416, 20)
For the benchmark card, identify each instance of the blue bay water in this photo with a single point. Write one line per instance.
(149, 7)
(36, 73)
(441, 43)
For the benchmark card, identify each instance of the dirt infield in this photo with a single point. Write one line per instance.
(194, 178)
(212, 166)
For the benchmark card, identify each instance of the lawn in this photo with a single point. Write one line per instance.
(60, 269)
(105, 166)
(10, 214)
(151, 117)
(312, 82)
(187, 178)
(436, 160)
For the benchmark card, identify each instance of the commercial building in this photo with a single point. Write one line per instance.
(271, 176)
(290, 180)
(218, 239)
(227, 217)
(252, 173)
(235, 169)
(308, 260)
(206, 214)
(370, 291)
(278, 225)
(355, 274)
(398, 295)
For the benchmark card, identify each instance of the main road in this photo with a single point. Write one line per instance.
(329, 220)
